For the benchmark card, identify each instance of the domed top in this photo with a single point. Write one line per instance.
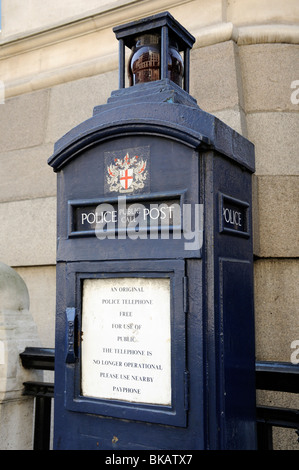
(13, 290)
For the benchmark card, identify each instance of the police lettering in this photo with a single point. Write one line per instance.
(96, 218)
(232, 217)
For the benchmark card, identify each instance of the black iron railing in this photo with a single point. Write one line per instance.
(278, 377)
(42, 359)
(275, 376)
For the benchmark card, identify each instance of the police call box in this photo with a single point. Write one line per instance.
(155, 318)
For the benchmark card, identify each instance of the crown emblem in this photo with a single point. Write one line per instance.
(127, 174)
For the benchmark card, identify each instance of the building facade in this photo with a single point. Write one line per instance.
(60, 59)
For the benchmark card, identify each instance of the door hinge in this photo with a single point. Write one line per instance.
(186, 381)
(185, 291)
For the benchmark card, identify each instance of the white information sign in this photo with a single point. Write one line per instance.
(126, 341)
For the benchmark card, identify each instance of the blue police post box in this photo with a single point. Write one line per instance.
(155, 320)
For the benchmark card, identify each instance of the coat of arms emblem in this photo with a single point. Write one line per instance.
(127, 174)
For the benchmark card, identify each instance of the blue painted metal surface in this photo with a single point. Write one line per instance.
(195, 159)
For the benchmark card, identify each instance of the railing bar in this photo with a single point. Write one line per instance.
(42, 427)
(277, 376)
(283, 417)
(39, 389)
(276, 381)
(271, 366)
(264, 436)
(38, 358)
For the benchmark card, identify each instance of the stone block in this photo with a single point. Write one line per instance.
(22, 121)
(255, 216)
(19, 19)
(28, 232)
(276, 308)
(259, 11)
(275, 136)
(234, 118)
(278, 216)
(214, 80)
(268, 70)
(41, 284)
(17, 429)
(73, 102)
(25, 174)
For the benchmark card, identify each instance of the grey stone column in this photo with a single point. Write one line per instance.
(17, 331)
